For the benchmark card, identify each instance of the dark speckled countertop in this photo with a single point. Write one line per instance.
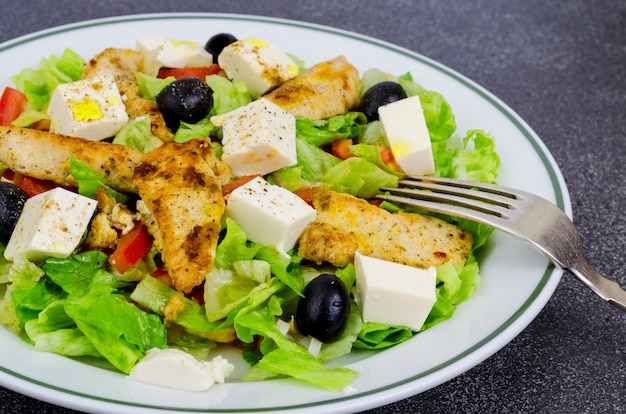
(559, 64)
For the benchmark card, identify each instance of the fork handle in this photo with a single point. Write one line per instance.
(607, 289)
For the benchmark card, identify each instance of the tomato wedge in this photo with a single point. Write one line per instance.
(32, 186)
(341, 148)
(12, 104)
(390, 161)
(131, 248)
(230, 187)
(199, 72)
(305, 194)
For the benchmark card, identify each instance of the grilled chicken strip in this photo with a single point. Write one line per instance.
(327, 89)
(46, 156)
(123, 64)
(345, 224)
(178, 186)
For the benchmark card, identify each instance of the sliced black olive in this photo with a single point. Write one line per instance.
(186, 99)
(217, 43)
(12, 199)
(323, 311)
(380, 94)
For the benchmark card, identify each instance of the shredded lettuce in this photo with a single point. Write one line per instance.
(80, 310)
(150, 86)
(118, 329)
(54, 331)
(38, 84)
(323, 132)
(137, 134)
(284, 357)
(358, 177)
(154, 295)
(227, 95)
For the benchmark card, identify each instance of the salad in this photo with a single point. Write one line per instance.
(83, 304)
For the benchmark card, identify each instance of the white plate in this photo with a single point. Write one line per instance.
(517, 282)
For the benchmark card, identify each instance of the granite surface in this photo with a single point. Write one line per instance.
(559, 64)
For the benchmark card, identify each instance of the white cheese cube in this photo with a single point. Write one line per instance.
(269, 214)
(404, 127)
(147, 44)
(261, 65)
(258, 138)
(89, 108)
(393, 293)
(52, 224)
(161, 51)
(177, 369)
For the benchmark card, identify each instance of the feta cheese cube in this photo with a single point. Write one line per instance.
(177, 369)
(404, 127)
(52, 224)
(161, 51)
(393, 293)
(258, 138)
(261, 65)
(89, 108)
(269, 214)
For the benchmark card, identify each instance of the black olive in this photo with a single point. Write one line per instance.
(217, 43)
(186, 99)
(380, 94)
(323, 311)
(12, 199)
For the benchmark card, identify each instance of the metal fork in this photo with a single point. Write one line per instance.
(521, 214)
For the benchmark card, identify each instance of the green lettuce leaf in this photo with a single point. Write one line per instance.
(201, 129)
(89, 181)
(324, 132)
(234, 246)
(379, 336)
(29, 301)
(284, 357)
(75, 273)
(137, 134)
(38, 84)
(118, 329)
(150, 86)
(227, 95)
(358, 177)
(154, 295)
(54, 331)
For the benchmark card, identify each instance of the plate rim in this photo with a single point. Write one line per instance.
(505, 333)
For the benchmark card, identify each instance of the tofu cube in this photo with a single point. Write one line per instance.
(90, 108)
(161, 51)
(269, 214)
(393, 293)
(261, 65)
(52, 224)
(404, 127)
(258, 138)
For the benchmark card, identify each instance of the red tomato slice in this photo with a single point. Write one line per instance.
(230, 187)
(341, 148)
(389, 159)
(12, 104)
(131, 248)
(305, 194)
(200, 72)
(32, 186)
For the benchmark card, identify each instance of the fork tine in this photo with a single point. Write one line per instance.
(475, 201)
(435, 205)
(488, 193)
